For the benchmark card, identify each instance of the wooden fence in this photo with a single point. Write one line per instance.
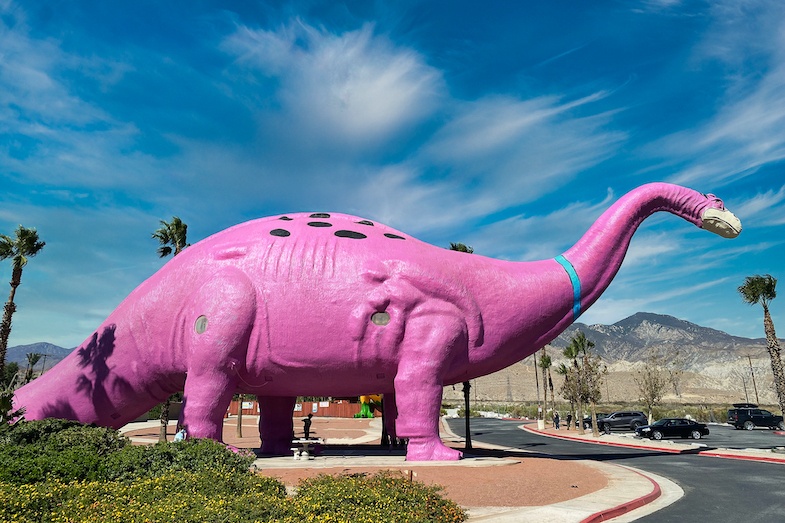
(327, 409)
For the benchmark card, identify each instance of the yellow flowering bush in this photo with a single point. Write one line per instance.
(227, 497)
(58, 471)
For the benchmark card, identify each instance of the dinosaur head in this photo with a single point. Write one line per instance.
(717, 219)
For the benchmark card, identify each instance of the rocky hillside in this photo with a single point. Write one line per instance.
(716, 365)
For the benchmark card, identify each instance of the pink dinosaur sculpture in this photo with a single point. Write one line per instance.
(330, 304)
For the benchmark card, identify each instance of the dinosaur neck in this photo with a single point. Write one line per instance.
(597, 256)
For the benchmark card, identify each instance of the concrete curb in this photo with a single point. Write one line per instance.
(628, 506)
(629, 489)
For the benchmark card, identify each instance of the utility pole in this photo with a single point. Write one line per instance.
(744, 382)
(466, 387)
(537, 381)
(752, 373)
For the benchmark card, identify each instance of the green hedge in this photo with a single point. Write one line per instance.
(214, 497)
(227, 497)
(60, 471)
(193, 455)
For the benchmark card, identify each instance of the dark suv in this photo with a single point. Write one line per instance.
(748, 416)
(622, 420)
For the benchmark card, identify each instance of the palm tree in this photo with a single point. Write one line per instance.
(22, 247)
(545, 364)
(569, 387)
(173, 239)
(593, 372)
(763, 289)
(460, 247)
(579, 346)
(32, 360)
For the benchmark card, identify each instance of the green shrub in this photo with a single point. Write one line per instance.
(30, 432)
(99, 440)
(226, 497)
(213, 497)
(385, 496)
(193, 455)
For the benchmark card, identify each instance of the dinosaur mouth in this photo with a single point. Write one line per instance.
(721, 222)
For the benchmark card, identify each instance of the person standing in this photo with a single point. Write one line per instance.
(556, 420)
(569, 420)
(307, 426)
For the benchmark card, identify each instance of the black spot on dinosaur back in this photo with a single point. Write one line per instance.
(350, 234)
(320, 224)
(283, 233)
(394, 236)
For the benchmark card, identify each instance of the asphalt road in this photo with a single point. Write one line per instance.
(715, 489)
(731, 438)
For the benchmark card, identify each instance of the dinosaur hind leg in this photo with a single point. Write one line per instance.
(430, 342)
(276, 426)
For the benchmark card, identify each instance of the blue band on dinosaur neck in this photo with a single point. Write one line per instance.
(576, 285)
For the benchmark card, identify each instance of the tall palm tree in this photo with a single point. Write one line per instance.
(19, 249)
(172, 237)
(568, 388)
(460, 247)
(762, 290)
(545, 363)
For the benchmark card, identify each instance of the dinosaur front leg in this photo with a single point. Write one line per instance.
(205, 400)
(218, 321)
(276, 426)
(429, 345)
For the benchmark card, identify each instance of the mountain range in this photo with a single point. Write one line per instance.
(52, 352)
(717, 367)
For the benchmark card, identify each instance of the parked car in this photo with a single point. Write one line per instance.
(622, 420)
(587, 420)
(748, 416)
(673, 428)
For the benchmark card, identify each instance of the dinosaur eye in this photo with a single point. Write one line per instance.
(380, 318)
(201, 325)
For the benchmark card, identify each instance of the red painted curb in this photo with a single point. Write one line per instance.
(709, 453)
(629, 506)
(764, 459)
(597, 442)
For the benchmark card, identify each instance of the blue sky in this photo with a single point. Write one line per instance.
(508, 126)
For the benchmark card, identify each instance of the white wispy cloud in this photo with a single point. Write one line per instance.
(767, 209)
(536, 237)
(747, 131)
(353, 90)
(521, 149)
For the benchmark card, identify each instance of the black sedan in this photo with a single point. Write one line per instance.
(673, 428)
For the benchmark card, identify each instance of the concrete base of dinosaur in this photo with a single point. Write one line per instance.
(335, 305)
